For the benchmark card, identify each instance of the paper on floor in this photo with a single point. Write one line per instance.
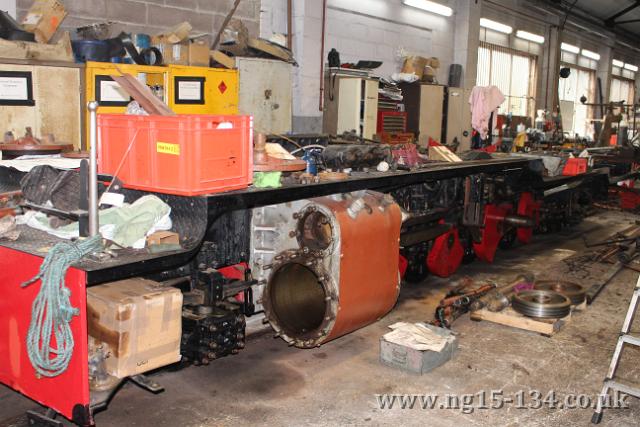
(416, 336)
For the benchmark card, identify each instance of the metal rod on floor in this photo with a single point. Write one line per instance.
(93, 169)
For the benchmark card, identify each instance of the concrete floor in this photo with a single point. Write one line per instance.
(271, 383)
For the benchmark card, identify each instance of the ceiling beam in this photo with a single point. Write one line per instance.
(611, 21)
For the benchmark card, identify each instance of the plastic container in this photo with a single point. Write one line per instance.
(186, 155)
(575, 166)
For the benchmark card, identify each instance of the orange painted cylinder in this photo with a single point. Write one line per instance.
(343, 276)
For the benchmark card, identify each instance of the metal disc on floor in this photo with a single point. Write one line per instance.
(574, 291)
(541, 304)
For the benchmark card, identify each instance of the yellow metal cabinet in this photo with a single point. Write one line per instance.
(203, 90)
(110, 96)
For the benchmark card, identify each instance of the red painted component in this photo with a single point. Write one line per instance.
(71, 388)
(629, 198)
(446, 254)
(575, 166)
(492, 231)
(236, 271)
(529, 207)
(403, 264)
(393, 125)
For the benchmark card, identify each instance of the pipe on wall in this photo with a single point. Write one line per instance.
(324, 26)
(290, 24)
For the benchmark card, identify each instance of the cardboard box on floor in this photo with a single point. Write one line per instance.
(188, 52)
(138, 322)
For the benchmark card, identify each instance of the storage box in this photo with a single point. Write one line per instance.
(417, 361)
(575, 166)
(186, 155)
(189, 52)
(44, 18)
(138, 323)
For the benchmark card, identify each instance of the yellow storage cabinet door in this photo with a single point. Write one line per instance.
(98, 85)
(202, 90)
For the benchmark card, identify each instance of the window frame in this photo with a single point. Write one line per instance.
(591, 96)
(532, 78)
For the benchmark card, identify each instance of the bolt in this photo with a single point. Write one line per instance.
(213, 345)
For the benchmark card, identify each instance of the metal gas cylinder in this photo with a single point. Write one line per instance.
(340, 272)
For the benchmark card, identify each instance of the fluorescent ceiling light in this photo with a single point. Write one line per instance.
(570, 48)
(618, 64)
(493, 25)
(630, 67)
(429, 6)
(530, 36)
(590, 55)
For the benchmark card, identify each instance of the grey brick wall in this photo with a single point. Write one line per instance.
(154, 16)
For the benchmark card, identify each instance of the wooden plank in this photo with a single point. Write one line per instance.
(223, 59)
(143, 95)
(236, 3)
(444, 154)
(272, 49)
(509, 317)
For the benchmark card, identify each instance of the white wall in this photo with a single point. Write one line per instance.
(360, 30)
(385, 30)
(8, 6)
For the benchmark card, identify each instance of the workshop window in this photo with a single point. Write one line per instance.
(581, 82)
(512, 72)
(622, 90)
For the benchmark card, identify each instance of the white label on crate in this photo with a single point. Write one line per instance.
(111, 91)
(189, 90)
(14, 88)
(112, 199)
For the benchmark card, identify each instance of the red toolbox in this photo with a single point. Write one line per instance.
(186, 155)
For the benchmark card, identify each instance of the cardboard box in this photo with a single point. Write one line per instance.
(138, 322)
(199, 53)
(44, 18)
(417, 65)
(163, 238)
(194, 53)
(417, 361)
(176, 34)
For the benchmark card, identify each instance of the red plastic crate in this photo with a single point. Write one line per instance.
(575, 166)
(186, 155)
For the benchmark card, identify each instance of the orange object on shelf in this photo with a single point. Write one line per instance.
(575, 166)
(187, 155)
(613, 141)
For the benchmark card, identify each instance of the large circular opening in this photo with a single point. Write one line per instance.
(314, 231)
(297, 300)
